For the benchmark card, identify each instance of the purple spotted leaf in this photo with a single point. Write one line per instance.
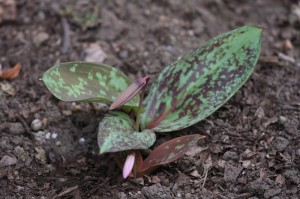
(169, 152)
(87, 82)
(116, 132)
(192, 88)
(129, 92)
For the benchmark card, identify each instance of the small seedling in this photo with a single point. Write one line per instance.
(184, 93)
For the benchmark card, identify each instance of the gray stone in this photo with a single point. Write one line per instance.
(36, 124)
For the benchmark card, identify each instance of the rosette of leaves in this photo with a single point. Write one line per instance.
(184, 93)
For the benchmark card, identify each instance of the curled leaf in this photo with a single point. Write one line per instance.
(169, 152)
(87, 82)
(116, 133)
(128, 165)
(11, 73)
(192, 88)
(129, 92)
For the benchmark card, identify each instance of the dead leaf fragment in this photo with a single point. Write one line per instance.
(280, 180)
(11, 73)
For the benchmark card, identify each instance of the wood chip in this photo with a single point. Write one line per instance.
(11, 73)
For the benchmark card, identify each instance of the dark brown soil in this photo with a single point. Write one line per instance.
(252, 143)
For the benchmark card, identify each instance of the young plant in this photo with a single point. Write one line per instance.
(184, 93)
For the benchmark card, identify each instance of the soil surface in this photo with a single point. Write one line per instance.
(48, 148)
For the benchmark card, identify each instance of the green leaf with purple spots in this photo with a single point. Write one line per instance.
(169, 151)
(116, 133)
(87, 82)
(192, 88)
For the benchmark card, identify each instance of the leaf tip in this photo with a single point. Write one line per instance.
(101, 151)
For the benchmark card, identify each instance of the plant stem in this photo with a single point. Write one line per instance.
(137, 122)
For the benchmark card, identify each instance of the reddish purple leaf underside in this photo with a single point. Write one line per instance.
(169, 151)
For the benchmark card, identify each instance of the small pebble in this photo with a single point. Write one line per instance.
(36, 124)
(54, 135)
(48, 135)
(40, 38)
(81, 140)
(282, 119)
(67, 112)
(124, 54)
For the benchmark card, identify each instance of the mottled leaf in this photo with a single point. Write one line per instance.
(116, 133)
(192, 88)
(87, 82)
(169, 152)
(129, 92)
